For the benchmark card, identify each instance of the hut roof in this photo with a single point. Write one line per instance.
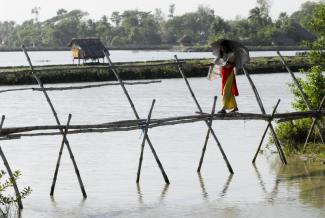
(91, 47)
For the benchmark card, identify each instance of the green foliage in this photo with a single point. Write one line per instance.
(313, 86)
(8, 203)
(294, 133)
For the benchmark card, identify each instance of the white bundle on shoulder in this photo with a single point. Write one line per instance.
(214, 72)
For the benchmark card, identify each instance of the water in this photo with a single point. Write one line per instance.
(108, 162)
(64, 57)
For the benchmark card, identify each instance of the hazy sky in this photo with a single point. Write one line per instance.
(20, 10)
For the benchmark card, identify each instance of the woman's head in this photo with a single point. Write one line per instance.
(221, 46)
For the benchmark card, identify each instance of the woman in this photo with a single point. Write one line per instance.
(226, 59)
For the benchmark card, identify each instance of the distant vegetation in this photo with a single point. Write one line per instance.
(134, 28)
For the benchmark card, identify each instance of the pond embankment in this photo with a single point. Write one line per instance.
(136, 70)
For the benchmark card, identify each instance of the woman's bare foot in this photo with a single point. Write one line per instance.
(234, 110)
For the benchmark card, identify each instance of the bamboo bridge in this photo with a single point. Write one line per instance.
(13, 133)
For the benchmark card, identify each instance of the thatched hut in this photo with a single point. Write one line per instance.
(87, 48)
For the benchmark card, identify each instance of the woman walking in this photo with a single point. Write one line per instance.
(230, 56)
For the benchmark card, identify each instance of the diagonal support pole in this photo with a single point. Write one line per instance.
(314, 122)
(60, 155)
(303, 94)
(144, 140)
(266, 129)
(5, 162)
(201, 111)
(260, 104)
(208, 134)
(57, 121)
(116, 73)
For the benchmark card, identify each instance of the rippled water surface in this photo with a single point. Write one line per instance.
(108, 162)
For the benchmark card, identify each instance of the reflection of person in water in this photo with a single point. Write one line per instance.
(226, 59)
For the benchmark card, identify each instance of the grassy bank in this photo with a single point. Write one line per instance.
(314, 152)
(129, 71)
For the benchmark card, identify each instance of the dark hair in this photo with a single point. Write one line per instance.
(225, 44)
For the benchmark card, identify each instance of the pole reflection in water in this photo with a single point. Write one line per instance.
(223, 192)
(202, 185)
(270, 196)
(162, 196)
(225, 188)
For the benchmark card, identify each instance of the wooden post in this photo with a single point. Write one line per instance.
(57, 121)
(304, 96)
(260, 103)
(201, 111)
(313, 123)
(208, 134)
(144, 140)
(59, 157)
(266, 129)
(116, 73)
(5, 162)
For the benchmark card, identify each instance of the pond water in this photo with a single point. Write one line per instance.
(108, 162)
(64, 57)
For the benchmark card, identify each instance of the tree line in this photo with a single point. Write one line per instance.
(133, 28)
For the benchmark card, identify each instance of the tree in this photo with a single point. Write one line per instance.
(6, 30)
(35, 11)
(116, 18)
(294, 133)
(171, 11)
(304, 15)
(61, 12)
(318, 27)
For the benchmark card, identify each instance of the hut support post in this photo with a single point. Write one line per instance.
(201, 111)
(144, 140)
(60, 155)
(57, 121)
(266, 129)
(314, 122)
(5, 162)
(260, 103)
(208, 134)
(116, 73)
(303, 94)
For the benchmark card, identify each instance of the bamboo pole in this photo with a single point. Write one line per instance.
(285, 117)
(80, 87)
(60, 155)
(200, 110)
(260, 103)
(5, 162)
(128, 125)
(208, 134)
(266, 129)
(12, 90)
(313, 123)
(110, 63)
(57, 121)
(144, 140)
(303, 94)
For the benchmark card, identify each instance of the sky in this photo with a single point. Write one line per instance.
(20, 10)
